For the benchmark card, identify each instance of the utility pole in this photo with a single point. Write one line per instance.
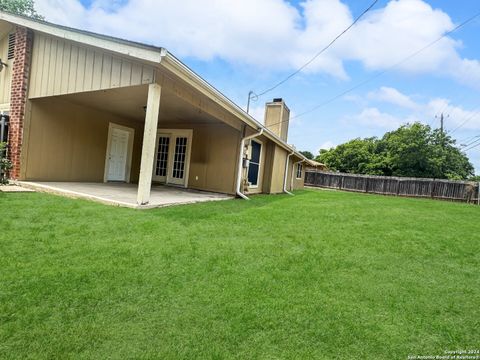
(441, 123)
(442, 127)
(251, 97)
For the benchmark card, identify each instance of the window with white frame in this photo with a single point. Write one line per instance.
(254, 165)
(299, 170)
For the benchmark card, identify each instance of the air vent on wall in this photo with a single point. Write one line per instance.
(11, 46)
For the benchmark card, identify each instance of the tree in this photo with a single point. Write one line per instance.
(356, 156)
(307, 154)
(413, 150)
(20, 7)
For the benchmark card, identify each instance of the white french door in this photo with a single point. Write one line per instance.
(172, 157)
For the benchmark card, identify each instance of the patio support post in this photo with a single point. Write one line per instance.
(148, 148)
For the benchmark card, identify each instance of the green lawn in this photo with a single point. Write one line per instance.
(322, 275)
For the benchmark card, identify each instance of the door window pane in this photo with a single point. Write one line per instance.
(162, 156)
(179, 158)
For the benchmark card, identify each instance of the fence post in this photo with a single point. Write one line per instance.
(341, 181)
(398, 187)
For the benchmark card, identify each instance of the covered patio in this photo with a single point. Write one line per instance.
(87, 143)
(125, 195)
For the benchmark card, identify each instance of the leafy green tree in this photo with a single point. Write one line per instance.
(413, 150)
(20, 7)
(357, 156)
(307, 154)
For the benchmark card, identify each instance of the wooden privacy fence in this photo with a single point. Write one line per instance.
(412, 187)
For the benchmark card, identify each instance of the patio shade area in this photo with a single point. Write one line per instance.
(121, 194)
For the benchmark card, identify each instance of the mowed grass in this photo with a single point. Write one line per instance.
(322, 275)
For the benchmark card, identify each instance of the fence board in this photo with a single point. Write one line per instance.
(462, 191)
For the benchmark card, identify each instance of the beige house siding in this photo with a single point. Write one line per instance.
(68, 142)
(62, 67)
(6, 73)
(292, 182)
(278, 170)
(298, 184)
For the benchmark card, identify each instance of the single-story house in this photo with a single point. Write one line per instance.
(85, 107)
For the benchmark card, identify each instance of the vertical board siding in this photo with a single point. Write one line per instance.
(61, 67)
(463, 191)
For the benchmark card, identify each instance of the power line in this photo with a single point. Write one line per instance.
(471, 142)
(252, 95)
(469, 138)
(472, 116)
(368, 80)
(474, 146)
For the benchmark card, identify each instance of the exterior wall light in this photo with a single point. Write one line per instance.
(2, 65)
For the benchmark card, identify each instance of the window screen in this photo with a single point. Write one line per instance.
(254, 167)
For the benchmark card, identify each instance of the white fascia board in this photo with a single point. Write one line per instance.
(177, 67)
(123, 47)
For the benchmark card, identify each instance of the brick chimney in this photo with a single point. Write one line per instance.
(277, 118)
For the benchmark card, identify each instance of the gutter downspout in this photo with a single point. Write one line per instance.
(286, 175)
(240, 163)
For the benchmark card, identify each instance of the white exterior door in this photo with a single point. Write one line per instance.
(172, 157)
(118, 155)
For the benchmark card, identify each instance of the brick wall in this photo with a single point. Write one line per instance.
(18, 101)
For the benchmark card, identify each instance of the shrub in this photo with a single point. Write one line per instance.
(5, 164)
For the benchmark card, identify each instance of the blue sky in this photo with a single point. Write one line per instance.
(251, 45)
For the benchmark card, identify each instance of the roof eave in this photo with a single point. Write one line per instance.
(131, 49)
(226, 103)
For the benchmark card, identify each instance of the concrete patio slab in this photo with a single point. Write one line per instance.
(13, 189)
(120, 194)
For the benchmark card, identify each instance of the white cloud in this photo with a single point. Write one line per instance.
(327, 145)
(393, 96)
(456, 115)
(373, 117)
(274, 34)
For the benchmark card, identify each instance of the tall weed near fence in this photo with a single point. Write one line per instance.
(463, 191)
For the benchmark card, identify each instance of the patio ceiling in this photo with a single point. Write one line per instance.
(129, 102)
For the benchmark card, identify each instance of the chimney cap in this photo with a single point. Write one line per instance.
(277, 100)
